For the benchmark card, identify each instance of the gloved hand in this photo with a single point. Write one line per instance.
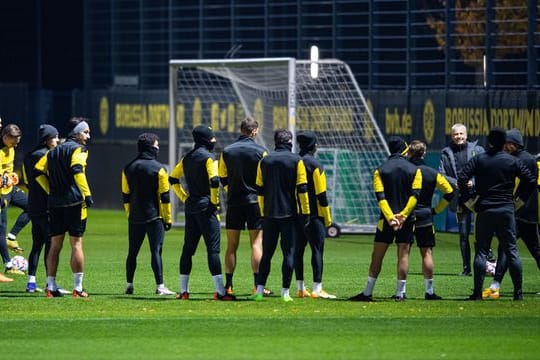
(88, 201)
(167, 226)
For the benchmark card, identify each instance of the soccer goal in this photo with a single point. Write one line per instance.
(283, 93)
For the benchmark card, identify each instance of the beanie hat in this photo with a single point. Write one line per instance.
(496, 138)
(397, 145)
(203, 134)
(46, 132)
(514, 136)
(306, 140)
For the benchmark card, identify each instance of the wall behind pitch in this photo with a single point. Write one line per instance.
(119, 116)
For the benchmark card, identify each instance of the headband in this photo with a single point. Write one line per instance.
(80, 127)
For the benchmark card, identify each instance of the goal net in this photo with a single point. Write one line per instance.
(282, 93)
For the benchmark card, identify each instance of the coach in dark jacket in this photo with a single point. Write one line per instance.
(453, 159)
(495, 172)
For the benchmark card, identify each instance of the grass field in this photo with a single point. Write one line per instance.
(110, 325)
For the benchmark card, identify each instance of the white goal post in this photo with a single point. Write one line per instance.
(281, 93)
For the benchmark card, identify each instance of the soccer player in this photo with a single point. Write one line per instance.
(495, 172)
(423, 226)
(282, 195)
(319, 220)
(526, 217)
(63, 177)
(453, 159)
(11, 194)
(237, 171)
(200, 171)
(397, 184)
(37, 202)
(145, 192)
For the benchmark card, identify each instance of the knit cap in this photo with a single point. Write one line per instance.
(514, 136)
(46, 132)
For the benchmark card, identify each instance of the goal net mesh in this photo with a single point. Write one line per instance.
(281, 93)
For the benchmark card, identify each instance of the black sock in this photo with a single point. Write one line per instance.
(228, 281)
(255, 278)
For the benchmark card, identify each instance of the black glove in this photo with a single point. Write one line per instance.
(88, 201)
(167, 226)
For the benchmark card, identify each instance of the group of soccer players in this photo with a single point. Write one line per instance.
(279, 196)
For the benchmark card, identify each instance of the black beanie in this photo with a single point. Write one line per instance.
(46, 132)
(306, 140)
(396, 145)
(496, 138)
(514, 136)
(203, 134)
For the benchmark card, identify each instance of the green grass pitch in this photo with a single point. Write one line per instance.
(111, 325)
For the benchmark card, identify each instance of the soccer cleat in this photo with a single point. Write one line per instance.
(256, 297)
(474, 297)
(164, 291)
(13, 271)
(287, 298)
(229, 290)
(53, 293)
(432, 297)
(518, 295)
(31, 288)
(129, 290)
(80, 294)
(491, 293)
(361, 297)
(13, 245)
(4, 278)
(465, 273)
(183, 296)
(403, 297)
(322, 295)
(303, 293)
(226, 297)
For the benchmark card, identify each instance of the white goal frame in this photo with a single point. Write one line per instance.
(176, 65)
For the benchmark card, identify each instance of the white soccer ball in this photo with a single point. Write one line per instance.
(20, 263)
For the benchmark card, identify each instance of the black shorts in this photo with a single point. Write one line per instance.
(67, 219)
(238, 216)
(386, 234)
(425, 236)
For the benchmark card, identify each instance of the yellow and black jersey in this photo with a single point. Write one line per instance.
(145, 190)
(238, 170)
(397, 184)
(282, 184)
(529, 211)
(431, 180)
(37, 197)
(316, 178)
(7, 163)
(495, 173)
(63, 174)
(200, 170)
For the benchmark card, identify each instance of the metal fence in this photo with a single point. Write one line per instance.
(389, 44)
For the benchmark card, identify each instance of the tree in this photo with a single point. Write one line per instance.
(510, 29)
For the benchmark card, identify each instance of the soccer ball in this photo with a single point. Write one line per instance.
(20, 263)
